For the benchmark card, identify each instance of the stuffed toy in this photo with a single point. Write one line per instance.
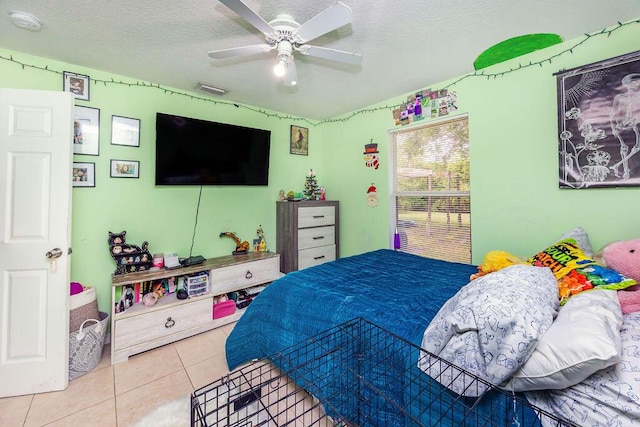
(624, 257)
(494, 261)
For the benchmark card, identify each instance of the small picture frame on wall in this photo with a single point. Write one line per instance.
(77, 84)
(299, 140)
(83, 174)
(86, 131)
(125, 169)
(125, 131)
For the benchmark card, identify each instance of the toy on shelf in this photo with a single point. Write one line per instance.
(262, 245)
(242, 247)
(128, 258)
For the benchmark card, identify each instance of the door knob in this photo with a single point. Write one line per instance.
(54, 253)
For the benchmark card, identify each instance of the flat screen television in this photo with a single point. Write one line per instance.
(199, 152)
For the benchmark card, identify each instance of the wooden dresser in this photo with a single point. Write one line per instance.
(307, 233)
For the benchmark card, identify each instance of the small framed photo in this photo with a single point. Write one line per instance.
(83, 174)
(77, 84)
(125, 169)
(299, 140)
(86, 131)
(125, 131)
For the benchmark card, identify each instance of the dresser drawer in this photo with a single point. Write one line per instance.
(316, 256)
(316, 216)
(246, 275)
(317, 236)
(155, 324)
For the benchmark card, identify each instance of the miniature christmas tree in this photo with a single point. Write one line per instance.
(312, 190)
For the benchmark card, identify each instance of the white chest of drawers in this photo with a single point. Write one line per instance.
(307, 233)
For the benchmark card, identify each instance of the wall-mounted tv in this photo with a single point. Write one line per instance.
(199, 152)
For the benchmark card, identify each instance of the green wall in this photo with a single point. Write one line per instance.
(516, 203)
(163, 216)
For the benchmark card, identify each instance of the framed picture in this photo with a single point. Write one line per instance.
(598, 121)
(86, 131)
(77, 84)
(125, 169)
(125, 131)
(299, 140)
(83, 174)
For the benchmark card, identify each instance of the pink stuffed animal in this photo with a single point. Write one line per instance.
(624, 257)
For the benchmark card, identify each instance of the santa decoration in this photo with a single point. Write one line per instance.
(372, 196)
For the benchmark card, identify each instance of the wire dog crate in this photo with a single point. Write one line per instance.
(355, 374)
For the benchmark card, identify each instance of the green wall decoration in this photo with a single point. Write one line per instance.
(516, 204)
(515, 47)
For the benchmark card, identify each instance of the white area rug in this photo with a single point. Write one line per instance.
(175, 413)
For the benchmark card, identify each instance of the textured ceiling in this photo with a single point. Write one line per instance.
(406, 45)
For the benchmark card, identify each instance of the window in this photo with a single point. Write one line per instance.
(430, 200)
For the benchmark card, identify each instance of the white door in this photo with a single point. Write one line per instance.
(35, 218)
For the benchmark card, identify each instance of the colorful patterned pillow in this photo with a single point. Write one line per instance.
(575, 271)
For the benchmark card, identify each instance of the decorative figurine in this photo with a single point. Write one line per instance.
(128, 258)
(241, 247)
(262, 245)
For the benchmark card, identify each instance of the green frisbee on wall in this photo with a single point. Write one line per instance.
(514, 47)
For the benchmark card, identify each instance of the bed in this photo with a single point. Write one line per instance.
(416, 299)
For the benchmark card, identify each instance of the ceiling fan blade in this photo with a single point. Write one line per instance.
(249, 15)
(328, 20)
(240, 51)
(331, 54)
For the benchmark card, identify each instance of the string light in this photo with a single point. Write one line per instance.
(348, 117)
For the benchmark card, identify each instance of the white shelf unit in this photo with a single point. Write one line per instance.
(141, 328)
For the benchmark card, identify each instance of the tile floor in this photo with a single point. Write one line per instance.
(119, 395)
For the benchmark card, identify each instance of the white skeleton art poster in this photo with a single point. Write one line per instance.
(599, 124)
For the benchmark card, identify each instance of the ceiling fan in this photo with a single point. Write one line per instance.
(287, 36)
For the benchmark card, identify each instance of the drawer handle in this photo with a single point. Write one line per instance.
(249, 275)
(170, 323)
(318, 216)
(318, 237)
(318, 257)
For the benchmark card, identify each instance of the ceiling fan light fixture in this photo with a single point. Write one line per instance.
(291, 75)
(286, 36)
(279, 69)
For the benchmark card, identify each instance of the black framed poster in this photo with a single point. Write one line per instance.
(599, 124)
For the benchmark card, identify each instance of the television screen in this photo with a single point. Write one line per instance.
(200, 152)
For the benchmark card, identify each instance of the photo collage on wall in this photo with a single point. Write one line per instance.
(426, 104)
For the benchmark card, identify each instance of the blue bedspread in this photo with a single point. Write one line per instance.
(395, 290)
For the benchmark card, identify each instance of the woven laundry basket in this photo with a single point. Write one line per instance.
(85, 346)
(82, 306)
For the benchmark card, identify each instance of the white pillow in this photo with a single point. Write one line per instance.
(608, 397)
(582, 239)
(583, 339)
(490, 327)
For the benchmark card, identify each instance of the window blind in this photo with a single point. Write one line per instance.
(431, 203)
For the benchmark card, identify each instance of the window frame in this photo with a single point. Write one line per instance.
(393, 176)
